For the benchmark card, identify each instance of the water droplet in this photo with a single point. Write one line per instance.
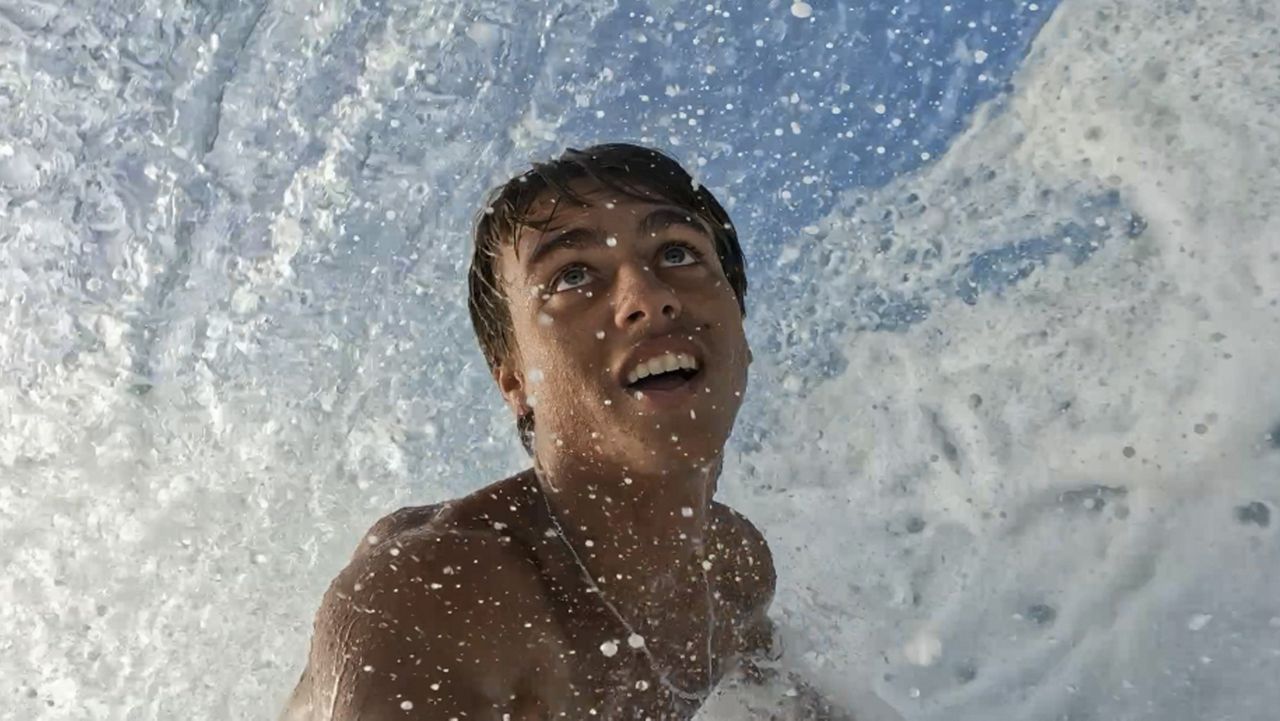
(687, 512)
(609, 649)
(635, 640)
(406, 705)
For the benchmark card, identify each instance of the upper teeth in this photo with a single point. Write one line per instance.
(664, 363)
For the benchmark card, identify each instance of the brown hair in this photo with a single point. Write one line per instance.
(632, 170)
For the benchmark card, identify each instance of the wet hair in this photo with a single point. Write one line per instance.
(632, 170)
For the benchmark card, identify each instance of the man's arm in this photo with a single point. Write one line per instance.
(434, 626)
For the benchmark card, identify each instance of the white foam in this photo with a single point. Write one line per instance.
(1050, 478)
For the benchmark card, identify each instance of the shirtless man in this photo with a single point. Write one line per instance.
(607, 292)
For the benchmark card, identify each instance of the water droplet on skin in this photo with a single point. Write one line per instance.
(609, 649)
(394, 552)
(639, 395)
(406, 705)
(687, 512)
(642, 685)
(536, 375)
(368, 669)
(692, 414)
(706, 565)
(544, 319)
(611, 241)
(635, 640)
(627, 481)
(600, 335)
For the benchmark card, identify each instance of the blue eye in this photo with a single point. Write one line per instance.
(678, 255)
(572, 277)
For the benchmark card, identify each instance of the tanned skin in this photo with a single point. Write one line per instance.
(481, 608)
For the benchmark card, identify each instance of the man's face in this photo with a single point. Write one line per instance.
(605, 295)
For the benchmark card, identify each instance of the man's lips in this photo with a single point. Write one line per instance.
(659, 354)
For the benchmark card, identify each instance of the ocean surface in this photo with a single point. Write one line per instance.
(1013, 428)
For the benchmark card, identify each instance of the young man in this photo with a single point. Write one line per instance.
(607, 292)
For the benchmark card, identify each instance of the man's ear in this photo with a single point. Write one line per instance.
(511, 383)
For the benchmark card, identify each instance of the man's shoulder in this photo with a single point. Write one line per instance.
(440, 560)
(734, 527)
(747, 552)
(480, 513)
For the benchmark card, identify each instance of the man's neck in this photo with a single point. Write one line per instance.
(639, 535)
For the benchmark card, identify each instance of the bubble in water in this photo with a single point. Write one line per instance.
(801, 9)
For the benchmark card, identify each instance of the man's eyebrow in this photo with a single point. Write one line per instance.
(663, 218)
(574, 238)
(652, 224)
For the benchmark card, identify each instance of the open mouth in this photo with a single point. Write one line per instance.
(666, 372)
(666, 381)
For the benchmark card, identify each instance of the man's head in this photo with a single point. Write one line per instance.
(585, 268)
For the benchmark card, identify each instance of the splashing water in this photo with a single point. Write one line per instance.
(1013, 426)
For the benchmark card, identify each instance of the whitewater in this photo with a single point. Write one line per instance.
(1013, 429)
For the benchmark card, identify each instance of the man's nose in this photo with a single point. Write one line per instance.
(643, 297)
